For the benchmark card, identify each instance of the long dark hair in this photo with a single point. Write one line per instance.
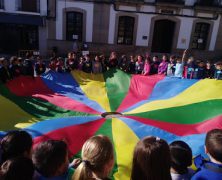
(151, 160)
(16, 143)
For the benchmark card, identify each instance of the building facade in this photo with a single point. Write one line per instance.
(135, 26)
(125, 26)
(22, 25)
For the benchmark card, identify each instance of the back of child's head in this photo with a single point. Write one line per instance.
(19, 168)
(16, 143)
(151, 159)
(50, 158)
(213, 144)
(181, 156)
(97, 158)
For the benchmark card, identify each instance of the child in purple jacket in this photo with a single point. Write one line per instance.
(163, 65)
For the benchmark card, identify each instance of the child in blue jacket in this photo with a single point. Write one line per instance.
(213, 147)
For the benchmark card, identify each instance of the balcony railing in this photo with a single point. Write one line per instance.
(171, 1)
(213, 3)
(28, 5)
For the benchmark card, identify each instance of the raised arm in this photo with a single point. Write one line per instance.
(184, 55)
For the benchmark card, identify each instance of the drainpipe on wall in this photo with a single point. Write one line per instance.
(48, 11)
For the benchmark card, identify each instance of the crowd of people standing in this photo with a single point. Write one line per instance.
(153, 157)
(174, 66)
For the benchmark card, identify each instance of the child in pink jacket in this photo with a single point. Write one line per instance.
(147, 67)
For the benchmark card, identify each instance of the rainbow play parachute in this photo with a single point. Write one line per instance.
(69, 106)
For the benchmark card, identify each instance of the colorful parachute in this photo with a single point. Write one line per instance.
(69, 106)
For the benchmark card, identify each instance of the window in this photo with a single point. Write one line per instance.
(125, 30)
(74, 26)
(29, 36)
(200, 36)
(29, 5)
(209, 2)
(1, 4)
(24, 37)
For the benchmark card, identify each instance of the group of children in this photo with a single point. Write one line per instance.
(14, 68)
(153, 158)
(174, 67)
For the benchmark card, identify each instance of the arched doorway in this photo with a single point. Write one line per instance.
(163, 35)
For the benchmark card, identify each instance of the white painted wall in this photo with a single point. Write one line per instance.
(88, 7)
(189, 12)
(42, 40)
(146, 8)
(185, 33)
(128, 8)
(144, 22)
(43, 7)
(112, 22)
(10, 5)
(214, 34)
(59, 20)
(189, 2)
(210, 15)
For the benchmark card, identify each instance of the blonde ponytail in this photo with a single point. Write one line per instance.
(98, 158)
(83, 172)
